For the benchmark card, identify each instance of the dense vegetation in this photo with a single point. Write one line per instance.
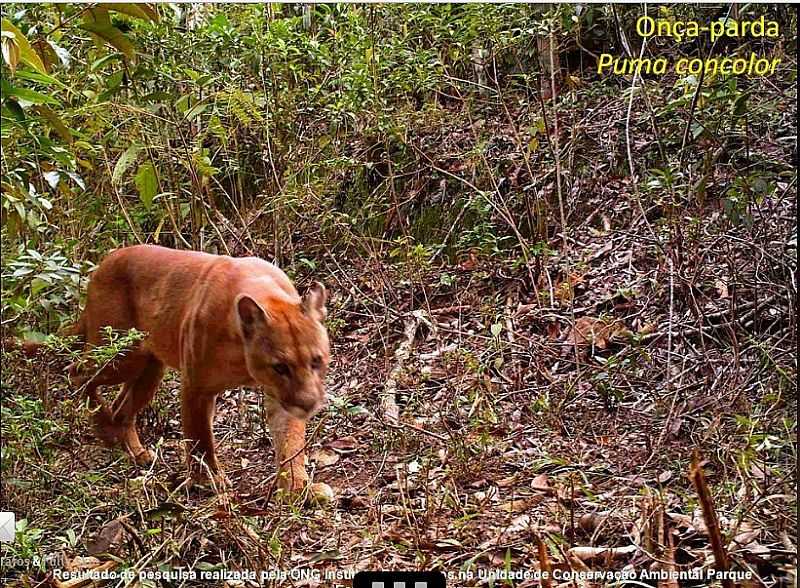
(597, 274)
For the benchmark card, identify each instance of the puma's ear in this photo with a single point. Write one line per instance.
(314, 302)
(251, 316)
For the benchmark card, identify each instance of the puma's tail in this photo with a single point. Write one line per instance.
(77, 329)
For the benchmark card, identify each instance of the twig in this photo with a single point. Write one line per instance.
(415, 428)
(133, 534)
(391, 412)
(710, 517)
(661, 436)
(697, 95)
(556, 146)
(544, 564)
(631, 166)
(121, 203)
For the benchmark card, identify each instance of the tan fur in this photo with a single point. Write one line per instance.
(222, 322)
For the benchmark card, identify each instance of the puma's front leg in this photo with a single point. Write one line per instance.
(289, 439)
(197, 416)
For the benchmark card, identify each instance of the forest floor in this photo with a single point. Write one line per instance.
(563, 404)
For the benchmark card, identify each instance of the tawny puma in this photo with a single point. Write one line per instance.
(222, 322)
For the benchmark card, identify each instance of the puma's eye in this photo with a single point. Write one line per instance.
(281, 369)
(316, 362)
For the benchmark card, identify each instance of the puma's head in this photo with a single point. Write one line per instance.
(286, 348)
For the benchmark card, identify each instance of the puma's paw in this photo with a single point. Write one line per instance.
(106, 430)
(144, 457)
(320, 493)
(292, 483)
(316, 494)
(201, 478)
(221, 482)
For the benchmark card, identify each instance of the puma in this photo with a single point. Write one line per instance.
(222, 322)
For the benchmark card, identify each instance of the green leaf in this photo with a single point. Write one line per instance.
(27, 54)
(142, 11)
(182, 104)
(740, 104)
(27, 95)
(104, 60)
(111, 35)
(45, 79)
(55, 122)
(114, 81)
(124, 162)
(98, 14)
(13, 110)
(218, 130)
(146, 183)
(196, 110)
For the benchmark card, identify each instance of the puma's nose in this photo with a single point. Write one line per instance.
(309, 404)
(298, 412)
(303, 407)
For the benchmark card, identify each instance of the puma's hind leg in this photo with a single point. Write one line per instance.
(107, 306)
(125, 370)
(136, 395)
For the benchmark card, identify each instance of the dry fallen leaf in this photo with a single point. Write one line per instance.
(664, 477)
(746, 538)
(79, 563)
(646, 329)
(323, 457)
(514, 506)
(591, 520)
(519, 523)
(470, 263)
(344, 445)
(320, 494)
(541, 483)
(565, 289)
(506, 482)
(108, 537)
(602, 251)
(596, 332)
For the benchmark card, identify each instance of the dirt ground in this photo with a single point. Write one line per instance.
(567, 416)
(550, 409)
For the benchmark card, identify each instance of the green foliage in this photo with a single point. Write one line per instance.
(27, 543)
(41, 287)
(127, 122)
(26, 428)
(16, 49)
(116, 344)
(146, 184)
